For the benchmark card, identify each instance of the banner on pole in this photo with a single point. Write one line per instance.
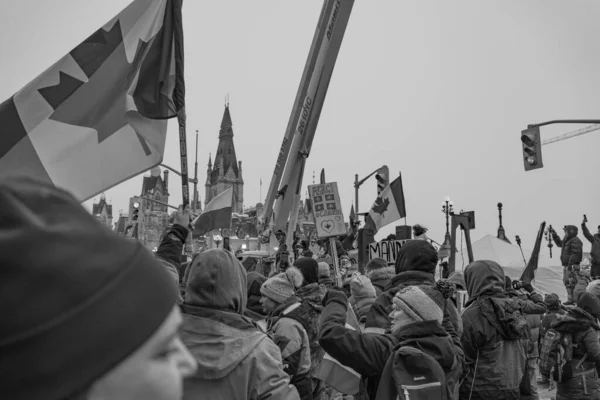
(327, 210)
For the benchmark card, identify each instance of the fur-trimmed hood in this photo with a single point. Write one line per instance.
(381, 274)
(575, 320)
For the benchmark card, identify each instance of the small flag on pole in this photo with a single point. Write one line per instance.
(216, 215)
(529, 271)
(389, 206)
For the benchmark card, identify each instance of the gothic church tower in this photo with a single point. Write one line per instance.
(226, 170)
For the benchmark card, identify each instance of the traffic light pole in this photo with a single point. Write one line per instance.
(565, 121)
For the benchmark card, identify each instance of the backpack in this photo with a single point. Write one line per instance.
(410, 374)
(556, 353)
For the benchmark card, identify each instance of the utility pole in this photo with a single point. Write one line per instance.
(196, 176)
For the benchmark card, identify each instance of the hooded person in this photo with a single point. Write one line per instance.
(555, 309)
(415, 265)
(495, 338)
(595, 250)
(363, 295)
(311, 295)
(236, 360)
(378, 271)
(254, 308)
(533, 308)
(325, 278)
(278, 301)
(417, 317)
(86, 314)
(570, 256)
(458, 279)
(585, 363)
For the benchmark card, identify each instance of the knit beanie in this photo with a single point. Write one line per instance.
(282, 286)
(376, 263)
(361, 288)
(75, 299)
(309, 267)
(421, 303)
(416, 255)
(594, 288)
(324, 271)
(552, 301)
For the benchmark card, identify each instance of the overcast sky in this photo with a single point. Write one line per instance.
(437, 89)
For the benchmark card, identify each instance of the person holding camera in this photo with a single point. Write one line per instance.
(533, 307)
(595, 252)
(570, 257)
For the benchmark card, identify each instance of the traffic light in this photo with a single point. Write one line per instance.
(136, 211)
(532, 148)
(383, 178)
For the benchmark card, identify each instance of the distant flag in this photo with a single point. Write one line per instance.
(529, 272)
(98, 116)
(335, 374)
(383, 178)
(388, 207)
(216, 215)
(323, 176)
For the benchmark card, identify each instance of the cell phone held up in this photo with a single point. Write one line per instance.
(585, 219)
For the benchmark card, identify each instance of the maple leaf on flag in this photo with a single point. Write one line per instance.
(381, 205)
(96, 104)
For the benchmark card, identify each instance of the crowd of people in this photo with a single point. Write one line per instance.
(88, 315)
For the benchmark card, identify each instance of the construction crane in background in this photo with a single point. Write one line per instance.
(280, 211)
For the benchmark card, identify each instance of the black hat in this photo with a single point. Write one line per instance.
(417, 255)
(75, 299)
(309, 268)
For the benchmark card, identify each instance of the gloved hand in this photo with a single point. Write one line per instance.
(517, 285)
(528, 287)
(182, 217)
(334, 295)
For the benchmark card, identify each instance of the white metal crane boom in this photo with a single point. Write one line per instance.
(284, 189)
(569, 135)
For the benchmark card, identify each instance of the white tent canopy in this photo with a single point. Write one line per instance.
(548, 276)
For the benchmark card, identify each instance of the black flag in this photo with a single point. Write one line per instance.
(532, 265)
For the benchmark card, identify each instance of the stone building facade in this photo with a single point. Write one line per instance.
(153, 217)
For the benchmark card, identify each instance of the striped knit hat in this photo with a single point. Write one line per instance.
(421, 303)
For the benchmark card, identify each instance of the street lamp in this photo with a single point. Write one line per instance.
(447, 209)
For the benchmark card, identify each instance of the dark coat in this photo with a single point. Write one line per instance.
(495, 355)
(254, 283)
(549, 319)
(595, 241)
(584, 329)
(572, 247)
(368, 353)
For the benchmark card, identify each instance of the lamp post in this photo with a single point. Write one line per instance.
(447, 209)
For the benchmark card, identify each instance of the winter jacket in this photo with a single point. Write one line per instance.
(572, 247)
(311, 305)
(236, 360)
(533, 308)
(328, 282)
(584, 329)
(380, 278)
(169, 252)
(595, 241)
(291, 338)
(367, 353)
(378, 317)
(495, 351)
